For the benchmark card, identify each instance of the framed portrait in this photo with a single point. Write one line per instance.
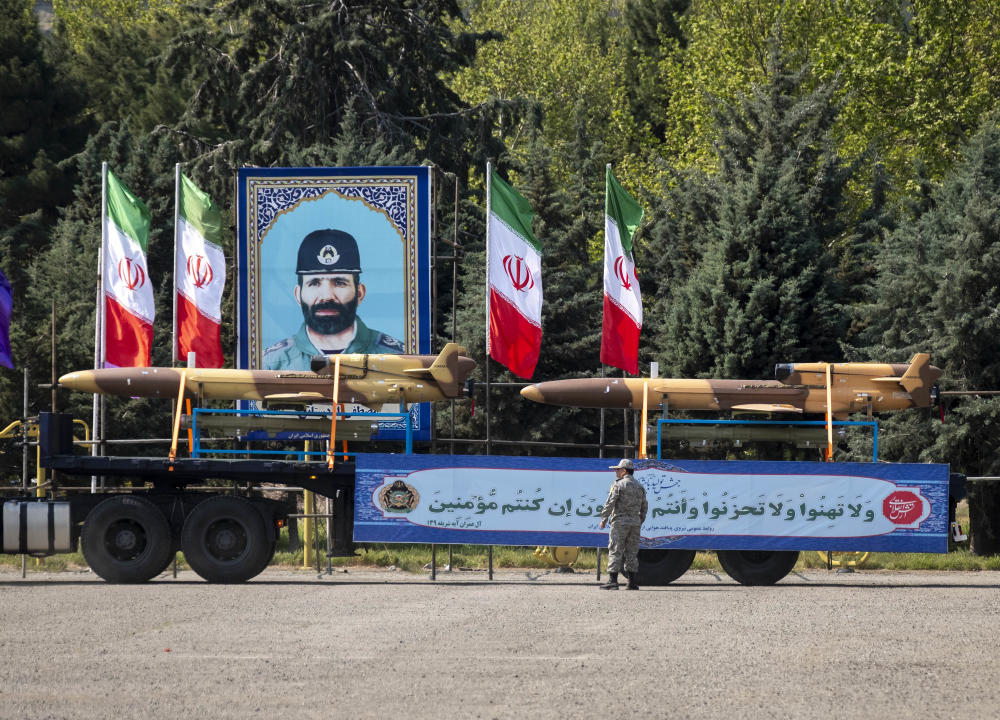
(373, 223)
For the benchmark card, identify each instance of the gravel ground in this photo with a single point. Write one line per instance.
(529, 644)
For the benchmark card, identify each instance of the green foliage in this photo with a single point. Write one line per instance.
(83, 20)
(284, 78)
(759, 286)
(916, 77)
(570, 59)
(39, 127)
(937, 292)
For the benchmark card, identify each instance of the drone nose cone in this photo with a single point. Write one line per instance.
(533, 393)
(82, 381)
(783, 370)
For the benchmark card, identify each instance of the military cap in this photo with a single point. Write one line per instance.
(625, 464)
(328, 251)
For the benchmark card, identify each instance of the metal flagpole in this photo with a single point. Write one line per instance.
(177, 215)
(489, 183)
(99, 319)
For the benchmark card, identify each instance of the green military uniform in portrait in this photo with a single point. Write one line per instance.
(329, 260)
(295, 352)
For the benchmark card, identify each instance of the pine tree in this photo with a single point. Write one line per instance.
(283, 76)
(654, 29)
(40, 126)
(764, 288)
(938, 293)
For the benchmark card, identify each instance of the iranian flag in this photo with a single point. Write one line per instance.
(514, 272)
(622, 301)
(128, 291)
(199, 275)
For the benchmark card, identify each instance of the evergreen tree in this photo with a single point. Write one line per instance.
(764, 288)
(282, 77)
(40, 126)
(938, 293)
(654, 29)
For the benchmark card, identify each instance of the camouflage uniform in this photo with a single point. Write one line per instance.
(295, 352)
(625, 508)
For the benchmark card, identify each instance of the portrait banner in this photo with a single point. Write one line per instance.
(334, 260)
(703, 505)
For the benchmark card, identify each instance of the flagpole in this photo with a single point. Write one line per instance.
(177, 205)
(99, 318)
(489, 183)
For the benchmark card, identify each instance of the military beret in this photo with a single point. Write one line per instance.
(328, 251)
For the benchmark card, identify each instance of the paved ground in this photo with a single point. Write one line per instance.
(527, 645)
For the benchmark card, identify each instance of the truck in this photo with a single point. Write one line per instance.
(757, 516)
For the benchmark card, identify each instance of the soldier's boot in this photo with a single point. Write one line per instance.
(612, 583)
(632, 585)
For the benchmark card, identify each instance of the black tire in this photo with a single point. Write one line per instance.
(225, 540)
(757, 567)
(126, 539)
(662, 567)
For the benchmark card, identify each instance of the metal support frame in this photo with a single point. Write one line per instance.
(823, 423)
(197, 450)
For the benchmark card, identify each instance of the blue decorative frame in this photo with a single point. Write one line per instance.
(402, 194)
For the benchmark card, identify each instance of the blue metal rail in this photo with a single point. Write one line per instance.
(198, 451)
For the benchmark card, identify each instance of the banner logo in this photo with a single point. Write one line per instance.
(517, 271)
(199, 270)
(131, 273)
(399, 497)
(902, 508)
(621, 272)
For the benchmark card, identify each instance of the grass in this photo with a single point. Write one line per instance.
(413, 558)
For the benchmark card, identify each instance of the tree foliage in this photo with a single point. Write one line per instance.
(760, 285)
(823, 205)
(938, 293)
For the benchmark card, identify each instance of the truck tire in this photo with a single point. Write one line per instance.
(757, 567)
(662, 567)
(126, 539)
(225, 540)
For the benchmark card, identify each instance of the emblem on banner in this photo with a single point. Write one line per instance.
(199, 270)
(131, 273)
(903, 507)
(517, 271)
(399, 497)
(621, 272)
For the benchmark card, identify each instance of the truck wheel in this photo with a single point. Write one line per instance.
(757, 567)
(225, 540)
(662, 567)
(126, 539)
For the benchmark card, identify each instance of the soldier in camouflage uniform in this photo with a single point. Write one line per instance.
(626, 509)
(328, 290)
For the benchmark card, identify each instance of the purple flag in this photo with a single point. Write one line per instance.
(6, 302)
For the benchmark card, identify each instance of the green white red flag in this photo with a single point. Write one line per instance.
(622, 300)
(514, 273)
(129, 309)
(199, 275)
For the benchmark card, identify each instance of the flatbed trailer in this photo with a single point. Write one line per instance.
(215, 512)
(131, 530)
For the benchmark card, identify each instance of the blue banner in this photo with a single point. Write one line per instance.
(693, 504)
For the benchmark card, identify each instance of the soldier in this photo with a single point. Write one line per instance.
(328, 290)
(626, 509)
